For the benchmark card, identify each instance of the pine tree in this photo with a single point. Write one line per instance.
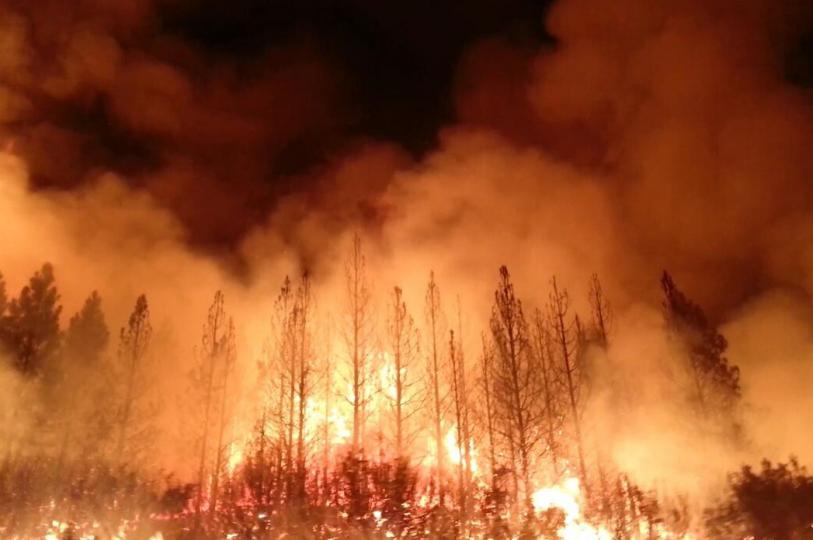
(715, 382)
(3, 301)
(566, 337)
(130, 374)
(303, 366)
(358, 336)
(80, 387)
(600, 311)
(517, 388)
(32, 324)
(87, 335)
(435, 367)
(215, 360)
(553, 398)
(405, 396)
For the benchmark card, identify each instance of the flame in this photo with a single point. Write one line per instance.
(453, 449)
(566, 498)
(235, 457)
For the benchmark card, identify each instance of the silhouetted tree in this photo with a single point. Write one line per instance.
(435, 363)
(80, 386)
(551, 388)
(566, 336)
(600, 312)
(87, 335)
(774, 503)
(31, 332)
(3, 301)
(405, 398)
(715, 382)
(131, 384)
(358, 336)
(215, 360)
(517, 388)
(303, 372)
(601, 324)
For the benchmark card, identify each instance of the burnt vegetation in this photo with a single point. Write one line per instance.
(402, 430)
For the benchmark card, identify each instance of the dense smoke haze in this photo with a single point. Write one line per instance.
(151, 147)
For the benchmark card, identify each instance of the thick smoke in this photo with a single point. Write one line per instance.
(648, 136)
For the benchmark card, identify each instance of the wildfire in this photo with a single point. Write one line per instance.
(565, 497)
(235, 458)
(454, 453)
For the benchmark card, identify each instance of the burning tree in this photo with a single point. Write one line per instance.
(527, 416)
(404, 390)
(435, 322)
(358, 338)
(553, 416)
(518, 392)
(566, 337)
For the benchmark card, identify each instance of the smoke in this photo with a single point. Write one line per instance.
(648, 136)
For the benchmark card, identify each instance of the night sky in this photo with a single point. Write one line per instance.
(398, 60)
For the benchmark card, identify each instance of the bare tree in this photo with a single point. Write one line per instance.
(600, 311)
(358, 336)
(517, 389)
(553, 416)
(434, 330)
(566, 336)
(304, 373)
(229, 358)
(215, 360)
(403, 344)
(487, 368)
(134, 344)
(461, 412)
(601, 315)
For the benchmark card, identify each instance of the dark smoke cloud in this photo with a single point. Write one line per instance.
(93, 86)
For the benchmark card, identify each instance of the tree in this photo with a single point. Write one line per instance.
(461, 412)
(600, 311)
(130, 374)
(211, 376)
(715, 383)
(434, 331)
(3, 301)
(553, 414)
(303, 368)
(32, 323)
(79, 387)
(566, 340)
(358, 336)
(405, 397)
(486, 370)
(774, 503)
(517, 388)
(87, 335)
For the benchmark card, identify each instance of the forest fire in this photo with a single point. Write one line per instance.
(421, 441)
(528, 269)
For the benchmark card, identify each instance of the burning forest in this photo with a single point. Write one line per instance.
(352, 270)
